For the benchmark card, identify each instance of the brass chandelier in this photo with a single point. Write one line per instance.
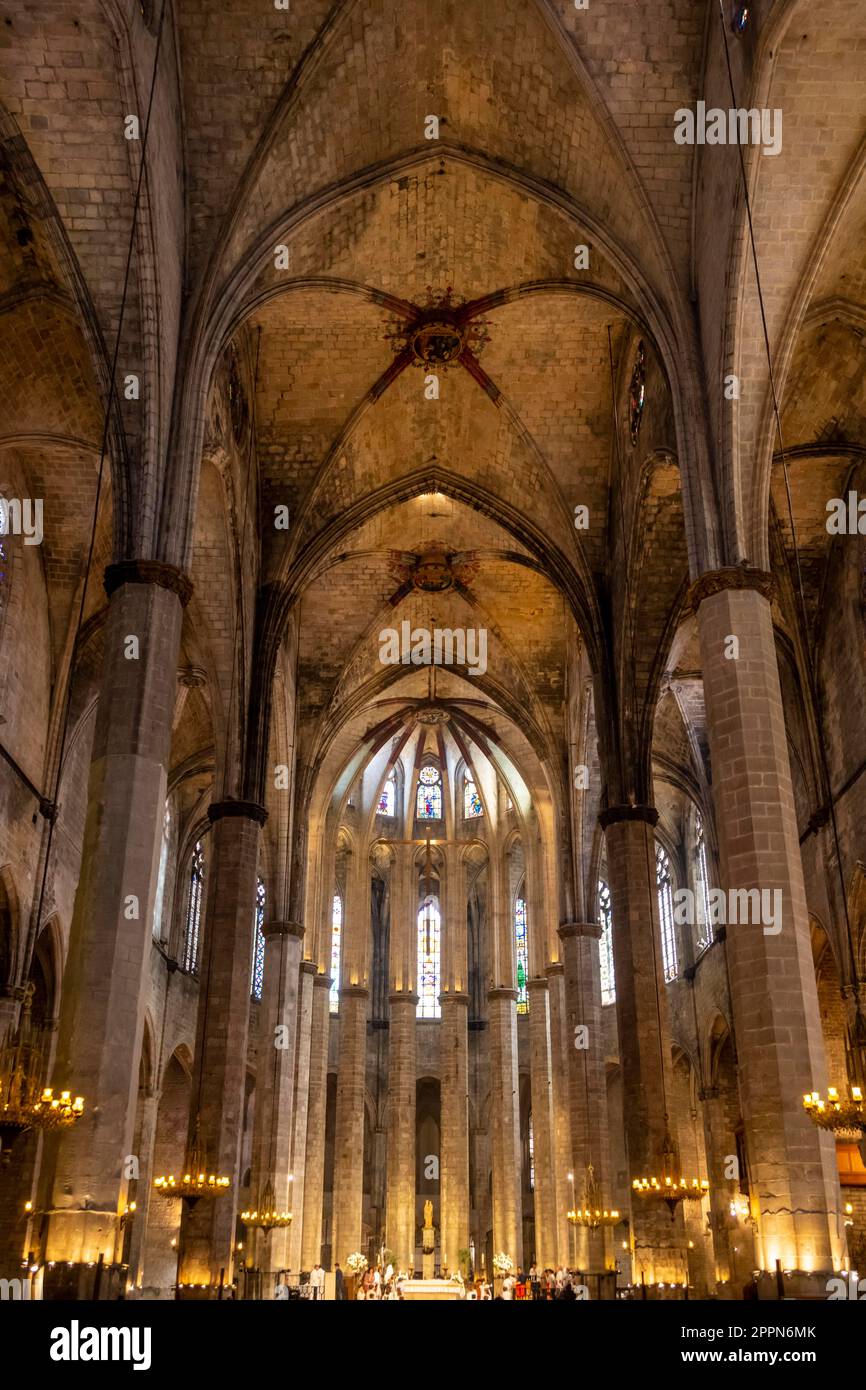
(845, 1117)
(668, 1187)
(592, 1215)
(25, 1103)
(196, 1181)
(265, 1217)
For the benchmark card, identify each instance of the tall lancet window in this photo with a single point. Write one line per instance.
(429, 959)
(472, 807)
(522, 955)
(605, 945)
(336, 951)
(192, 926)
(388, 800)
(704, 926)
(429, 803)
(258, 971)
(159, 900)
(664, 881)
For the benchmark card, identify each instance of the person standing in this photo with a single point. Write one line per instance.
(508, 1286)
(317, 1281)
(534, 1282)
(339, 1283)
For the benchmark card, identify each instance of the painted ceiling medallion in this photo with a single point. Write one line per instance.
(437, 335)
(432, 716)
(432, 569)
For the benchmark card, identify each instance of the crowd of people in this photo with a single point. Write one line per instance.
(378, 1283)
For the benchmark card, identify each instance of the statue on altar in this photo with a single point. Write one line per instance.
(428, 1235)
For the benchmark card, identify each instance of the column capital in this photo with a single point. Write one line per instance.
(730, 577)
(614, 814)
(454, 996)
(403, 996)
(502, 992)
(193, 677)
(708, 1093)
(248, 810)
(354, 992)
(537, 982)
(592, 930)
(283, 929)
(554, 968)
(308, 967)
(148, 572)
(14, 992)
(323, 981)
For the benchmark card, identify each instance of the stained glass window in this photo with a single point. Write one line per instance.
(471, 800)
(522, 955)
(704, 926)
(531, 1146)
(258, 971)
(388, 799)
(664, 882)
(637, 393)
(429, 959)
(740, 18)
(605, 945)
(159, 900)
(429, 802)
(4, 529)
(192, 929)
(336, 945)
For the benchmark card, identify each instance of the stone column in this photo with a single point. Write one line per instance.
(400, 1194)
(454, 1142)
(774, 999)
(219, 1076)
(302, 1102)
(587, 1083)
(102, 1018)
(275, 1089)
(563, 1159)
(540, 1071)
(314, 1161)
(505, 1124)
(349, 1134)
(644, 1032)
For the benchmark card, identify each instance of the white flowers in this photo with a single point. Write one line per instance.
(502, 1263)
(356, 1262)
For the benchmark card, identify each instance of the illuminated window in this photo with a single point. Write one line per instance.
(664, 883)
(471, 800)
(522, 955)
(531, 1139)
(637, 393)
(429, 800)
(605, 945)
(704, 924)
(258, 970)
(429, 959)
(160, 880)
(192, 928)
(336, 944)
(739, 18)
(388, 799)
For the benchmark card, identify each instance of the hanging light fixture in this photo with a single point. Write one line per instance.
(196, 1182)
(592, 1214)
(845, 1117)
(265, 1217)
(24, 1102)
(670, 1186)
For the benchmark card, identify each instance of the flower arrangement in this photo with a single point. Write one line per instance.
(502, 1263)
(356, 1262)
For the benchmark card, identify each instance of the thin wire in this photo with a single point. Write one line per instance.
(633, 678)
(804, 619)
(67, 701)
(210, 953)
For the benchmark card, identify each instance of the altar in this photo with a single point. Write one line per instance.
(440, 1290)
